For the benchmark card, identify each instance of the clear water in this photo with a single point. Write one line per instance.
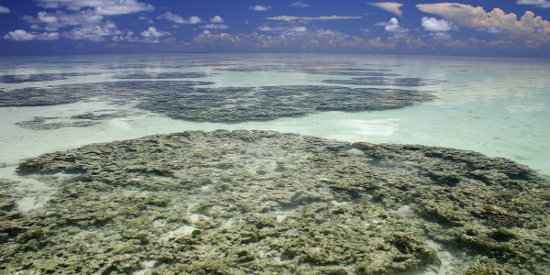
(499, 107)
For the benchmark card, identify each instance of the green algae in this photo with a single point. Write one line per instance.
(261, 202)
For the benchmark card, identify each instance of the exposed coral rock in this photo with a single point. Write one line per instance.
(39, 77)
(383, 81)
(259, 202)
(184, 100)
(81, 120)
(52, 123)
(167, 75)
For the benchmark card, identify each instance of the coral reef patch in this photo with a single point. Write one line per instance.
(188, 101)
(257, 202)
(24, 78)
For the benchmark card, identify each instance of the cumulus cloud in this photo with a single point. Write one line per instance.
(299, 29)
(300, 38)
(391, 7)
(4, 10)
(216, 19)
(215, 27)
(151, 34)
(174, 18)
(299, 4)
(529, 27)
(269, 37)
(282, 29)
(260, 8)
(126, 37)
(94, 33)
(85, 19)
(22, 35)
(208, 39)
(392, 25)
(435, 25)
(102, 7)
(266, 28)
(288, 18)
(539, 3)
(216, 23)
(54, 21)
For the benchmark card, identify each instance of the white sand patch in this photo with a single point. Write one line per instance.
(36, 194)
(405, 211)
(147, 266)
(182, 231)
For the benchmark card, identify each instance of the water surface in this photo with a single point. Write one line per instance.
(498, 107)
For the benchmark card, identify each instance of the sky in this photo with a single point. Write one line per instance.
(480, 28)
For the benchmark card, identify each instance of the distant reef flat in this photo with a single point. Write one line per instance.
(259, 202)
(24, 78)
(190, 100)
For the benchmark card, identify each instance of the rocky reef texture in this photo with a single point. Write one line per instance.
(185, 100)
(357, 72)
(174, 75)
(14, 79)
(271, 102)
(384, 81)
(262, 202)
(53, 123)
(81, 120)
(344, 69)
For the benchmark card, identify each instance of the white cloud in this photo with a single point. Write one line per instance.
(299, 4)
(216, 19)
(529, 27)
(22, 35)
(95, 33)
(19, 35)
(435, 25)
(215, 27)
(209, 39)
(58, 20)
(392, 25)
(4, 10)
(282, 29)
(85, 19)
(192, 20)
(441, 36)
(153, 33)
(216, 23)
(299, 38)
(288, 18)
(266, 29)
(391, 7)
(539, 3)
(299, 29)
(101, 7)
(126, 37)
(260, 8)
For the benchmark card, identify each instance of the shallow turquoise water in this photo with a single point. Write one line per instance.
(499, 107)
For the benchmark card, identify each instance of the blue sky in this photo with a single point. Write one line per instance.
(504, 27)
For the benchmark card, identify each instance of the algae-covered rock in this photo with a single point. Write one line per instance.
(24, 78)
(262, 202)
(187, 100)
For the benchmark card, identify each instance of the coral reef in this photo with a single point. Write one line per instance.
(173, 75)
(24, 78)
(80, 120)
(184, 100)
(383, 81)
(262, 202)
